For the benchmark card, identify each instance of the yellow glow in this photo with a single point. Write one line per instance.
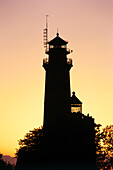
(87, 25)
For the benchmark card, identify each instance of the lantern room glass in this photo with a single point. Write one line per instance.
(76, 108)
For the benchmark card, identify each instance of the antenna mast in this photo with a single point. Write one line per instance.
(45, 33)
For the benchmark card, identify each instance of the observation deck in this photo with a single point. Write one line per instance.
(66, 50)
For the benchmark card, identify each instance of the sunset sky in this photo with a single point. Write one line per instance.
(88, 27)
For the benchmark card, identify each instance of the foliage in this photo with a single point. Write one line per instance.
(4, 165)
(108, 140)
(98, 143)
(31, 142)
(108, 146)
(104, 147)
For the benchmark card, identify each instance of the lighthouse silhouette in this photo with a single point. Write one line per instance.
(69, 135)
(57, 94)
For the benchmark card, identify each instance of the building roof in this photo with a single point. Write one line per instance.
(57, 41)
(75, 100)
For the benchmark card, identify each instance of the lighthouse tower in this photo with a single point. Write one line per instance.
(57, 94)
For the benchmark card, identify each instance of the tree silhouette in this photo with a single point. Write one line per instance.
(108, 146)
(31, 145)
(4, 165)
(98, 142)
(104, 147)
(31, 142)
(29, 153)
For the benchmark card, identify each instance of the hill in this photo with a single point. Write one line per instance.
(9, 159)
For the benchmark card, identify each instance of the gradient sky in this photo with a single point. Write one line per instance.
(88, 26)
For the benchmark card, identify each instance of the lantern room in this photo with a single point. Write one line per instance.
(76, 104)
(56, 43)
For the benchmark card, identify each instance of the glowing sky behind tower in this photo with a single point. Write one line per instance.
(88, 26)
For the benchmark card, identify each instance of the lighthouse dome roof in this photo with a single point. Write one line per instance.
(57, 41)
(75, 100)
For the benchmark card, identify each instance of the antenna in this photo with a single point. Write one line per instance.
(57, 30)
(45, 33)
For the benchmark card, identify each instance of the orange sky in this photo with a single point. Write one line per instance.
(88, 26)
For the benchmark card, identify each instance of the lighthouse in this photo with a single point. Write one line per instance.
(57, 105)
(69, 135)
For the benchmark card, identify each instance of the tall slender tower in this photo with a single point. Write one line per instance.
(57, 94)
